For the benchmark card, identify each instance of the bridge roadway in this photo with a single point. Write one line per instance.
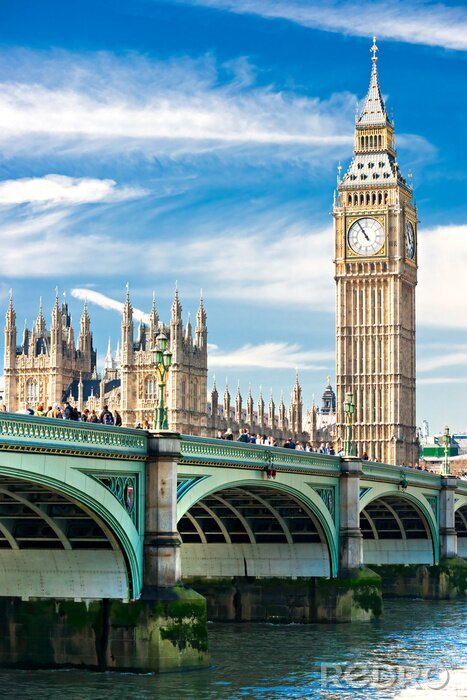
(93, 511)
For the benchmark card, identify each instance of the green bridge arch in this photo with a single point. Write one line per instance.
(217, 481)
(80, 481)
(412, 495)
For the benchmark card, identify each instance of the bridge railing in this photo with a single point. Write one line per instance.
(201, 450)
(381, 472)
(24, 432)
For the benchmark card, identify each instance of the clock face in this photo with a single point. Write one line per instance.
(409, 241)
(366, 236)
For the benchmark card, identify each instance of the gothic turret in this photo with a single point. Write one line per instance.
(226, 403)
(84, 341)
(261, 410)
(176, 329)
(282, 416)
(40, 326)
(238, 405)
(10, 356)
(127, 329)
(188, 334)
(10, 334)
(271, 412)
(109, 360)
(56, 333)
(250, 409)
(201, 333)
(153, 321)
(296, 408)
(214, 402)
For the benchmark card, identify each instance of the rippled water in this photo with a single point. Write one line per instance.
(284, 661)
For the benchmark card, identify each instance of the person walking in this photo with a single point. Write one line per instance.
(92, 418)
(118, 418)
(106, 416)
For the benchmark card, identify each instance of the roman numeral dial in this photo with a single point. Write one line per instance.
(366, 236)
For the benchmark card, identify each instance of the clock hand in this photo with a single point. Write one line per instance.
(363, 230)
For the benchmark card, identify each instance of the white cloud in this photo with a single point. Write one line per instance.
(416, 22)
(105, 302)
(427, 381)
(442, 266)
(271, 355)
(63, 190)
(70, 104)
(453, 359)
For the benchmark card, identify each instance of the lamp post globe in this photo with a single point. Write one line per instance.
(162, 358)
(349, 410)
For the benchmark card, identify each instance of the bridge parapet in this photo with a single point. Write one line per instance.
(52, 435)
(212, 452)
(384, 472)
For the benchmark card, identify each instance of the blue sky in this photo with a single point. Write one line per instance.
(149, 141)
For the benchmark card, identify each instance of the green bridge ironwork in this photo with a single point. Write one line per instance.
(79, 492)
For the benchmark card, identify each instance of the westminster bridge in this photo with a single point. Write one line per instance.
(98, 513)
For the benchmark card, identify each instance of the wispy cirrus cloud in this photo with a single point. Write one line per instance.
(450, 359)
(415, 22)
(427, 381)
(272, 355)
(170, 107)
(69, 105)
(105, 302)
(53, 190)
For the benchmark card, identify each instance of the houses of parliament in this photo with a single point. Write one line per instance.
(49, 367)
(375, 259)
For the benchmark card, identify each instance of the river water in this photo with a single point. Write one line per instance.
(418, 643)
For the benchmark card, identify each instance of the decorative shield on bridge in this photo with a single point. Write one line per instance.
(129, 497)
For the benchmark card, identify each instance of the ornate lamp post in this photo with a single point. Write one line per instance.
(349, 410)
(446, 439)
(162, 359)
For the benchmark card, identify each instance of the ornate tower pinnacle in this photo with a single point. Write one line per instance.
(261, 408)
(40, 321)
(201, 333)
(153, 319)
(214, 402)
(250, 408)
(10, 314)
(188, 331)
(226, 402)
(238, 404)
(271, 411)
(109, 360)
(176, 307)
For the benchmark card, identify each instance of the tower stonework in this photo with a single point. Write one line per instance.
(375, 225)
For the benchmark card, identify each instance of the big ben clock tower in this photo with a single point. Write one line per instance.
(375, 224)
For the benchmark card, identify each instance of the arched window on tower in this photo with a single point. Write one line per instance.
(371, 140)
(32, 392)
(183, 395)
(380, 198)
(150, 389)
